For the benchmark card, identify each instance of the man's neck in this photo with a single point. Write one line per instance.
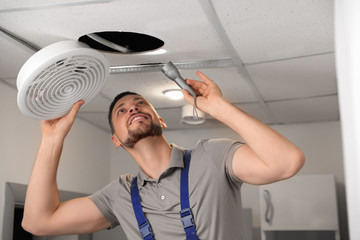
(152, 154)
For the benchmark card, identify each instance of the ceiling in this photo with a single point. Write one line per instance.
(274, 59)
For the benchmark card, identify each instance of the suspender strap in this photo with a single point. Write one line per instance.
(185, 213)
(144, 225)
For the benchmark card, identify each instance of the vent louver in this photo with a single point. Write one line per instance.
(57, 76)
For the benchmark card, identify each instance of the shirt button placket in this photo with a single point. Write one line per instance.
(162, 197)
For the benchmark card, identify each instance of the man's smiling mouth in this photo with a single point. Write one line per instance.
(138, 117)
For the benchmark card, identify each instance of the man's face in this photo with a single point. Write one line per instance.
(134, 118)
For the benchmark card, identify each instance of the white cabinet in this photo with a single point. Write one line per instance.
(298, 205)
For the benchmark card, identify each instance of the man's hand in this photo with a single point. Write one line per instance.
(208, 93)
(61, 126)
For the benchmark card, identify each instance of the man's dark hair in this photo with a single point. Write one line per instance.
(117, 98)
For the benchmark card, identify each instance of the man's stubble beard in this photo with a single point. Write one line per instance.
(135, 136)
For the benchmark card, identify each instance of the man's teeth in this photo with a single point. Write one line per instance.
(137, 118)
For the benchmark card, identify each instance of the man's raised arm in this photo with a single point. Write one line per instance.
(43, 212)
(267, 156)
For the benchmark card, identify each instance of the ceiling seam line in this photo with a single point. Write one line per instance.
(289, 58)
(19, 40)
(302, 98)
(7, 84)
(52, 6)
(215, 21)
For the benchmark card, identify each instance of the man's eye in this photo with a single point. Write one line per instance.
(121, 111)
(140, 103)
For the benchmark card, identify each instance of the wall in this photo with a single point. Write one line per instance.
(84, 166)
(321, 143)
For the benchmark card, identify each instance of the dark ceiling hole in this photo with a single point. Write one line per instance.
(121, 42)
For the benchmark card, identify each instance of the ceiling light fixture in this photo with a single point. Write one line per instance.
(173, 94)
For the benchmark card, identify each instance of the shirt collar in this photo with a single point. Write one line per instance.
(176, 161)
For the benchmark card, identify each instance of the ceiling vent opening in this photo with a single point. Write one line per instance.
(121, 42)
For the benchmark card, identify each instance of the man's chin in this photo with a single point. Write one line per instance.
(139, 134)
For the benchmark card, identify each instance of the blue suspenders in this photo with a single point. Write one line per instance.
(185, 213)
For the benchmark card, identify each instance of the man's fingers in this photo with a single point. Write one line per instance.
(204, 77)
(187, 95)
(75, 108)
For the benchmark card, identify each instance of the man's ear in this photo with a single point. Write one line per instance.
(116, 141)
(162, 122)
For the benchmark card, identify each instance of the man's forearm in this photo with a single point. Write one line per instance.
(42, 196)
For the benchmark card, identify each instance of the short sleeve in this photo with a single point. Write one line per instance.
(222, 149)
(103, 200)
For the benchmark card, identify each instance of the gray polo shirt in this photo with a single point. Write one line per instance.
(214, 190)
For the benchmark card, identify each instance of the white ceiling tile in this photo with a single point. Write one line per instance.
(277, 29)
(306, 110)
(295, 78)
(24, 5)
(262, 33)
(181, 25)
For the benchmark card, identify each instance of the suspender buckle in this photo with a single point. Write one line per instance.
(145, 229)
(187, 218)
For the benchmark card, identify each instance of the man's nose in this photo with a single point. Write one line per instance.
(133, 108)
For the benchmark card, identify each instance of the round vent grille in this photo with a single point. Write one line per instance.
(59, 75)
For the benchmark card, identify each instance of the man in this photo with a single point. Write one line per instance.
(217, 169)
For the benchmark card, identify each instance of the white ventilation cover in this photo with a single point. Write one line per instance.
(59, 75)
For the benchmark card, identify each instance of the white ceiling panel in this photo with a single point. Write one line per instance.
(188, 36)
(287, 48)
(306, 110)
(295, 78)
(25, 5)
(267, 30)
